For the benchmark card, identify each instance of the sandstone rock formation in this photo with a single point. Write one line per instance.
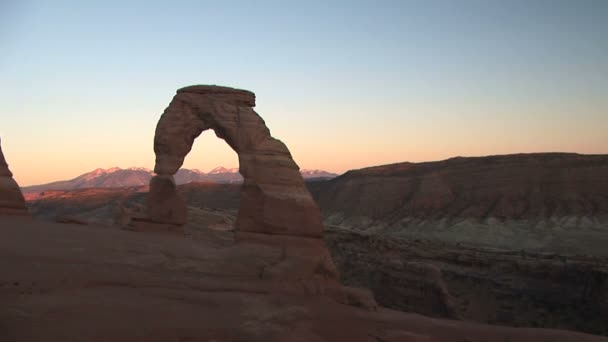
(274, 199)
(276, 211)
(11, 198)
(110, 285)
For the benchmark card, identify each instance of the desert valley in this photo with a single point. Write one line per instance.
(473, 244)
(515, 240)
(304, 171)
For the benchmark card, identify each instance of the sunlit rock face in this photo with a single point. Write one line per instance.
(11, 198)
(274, 198)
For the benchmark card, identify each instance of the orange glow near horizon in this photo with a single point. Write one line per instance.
(37, 165)
(339, 139)
(344, 87)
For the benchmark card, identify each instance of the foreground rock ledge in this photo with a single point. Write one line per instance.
(274, 199)
(11, 198)
(64, 282)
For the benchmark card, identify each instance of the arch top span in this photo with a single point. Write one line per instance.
(231, 95)
(274, 198)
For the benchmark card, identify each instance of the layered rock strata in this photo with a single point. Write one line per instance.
(504, 187)
(515, 288)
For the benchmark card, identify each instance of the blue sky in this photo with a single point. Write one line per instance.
(345, 84)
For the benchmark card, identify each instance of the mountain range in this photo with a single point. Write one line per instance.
(138, 176)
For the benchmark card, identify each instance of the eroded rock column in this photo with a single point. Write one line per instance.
(11, 198)
(164, 203)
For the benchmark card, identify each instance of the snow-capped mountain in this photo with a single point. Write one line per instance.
(100, 178)
(116, 177)
(307, 174)
(221, 169)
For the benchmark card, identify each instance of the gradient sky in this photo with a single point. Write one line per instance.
(345, 84)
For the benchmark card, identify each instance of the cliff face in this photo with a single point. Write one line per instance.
(492, 286)
(514, 240)
(505, 187)
(492, 201)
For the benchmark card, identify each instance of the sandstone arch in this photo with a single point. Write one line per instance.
(274, 198)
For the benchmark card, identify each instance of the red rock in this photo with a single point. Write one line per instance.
(164, 204)
(111, 285)
(146, 225)
(276, 209)
(70, 220)
(300, 257)
(274, 198)
(11, 198)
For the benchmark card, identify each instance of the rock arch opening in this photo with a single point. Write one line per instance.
(210, 184)
(210, 153)
(274, 198)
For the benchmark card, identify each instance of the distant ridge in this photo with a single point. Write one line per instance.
(515, 186)
(116, 177)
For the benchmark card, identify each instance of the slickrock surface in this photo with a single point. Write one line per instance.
(274, 199)
(64, 283)
(11, 198)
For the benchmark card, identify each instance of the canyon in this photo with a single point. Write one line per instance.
(542, 268)
(467, 242)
